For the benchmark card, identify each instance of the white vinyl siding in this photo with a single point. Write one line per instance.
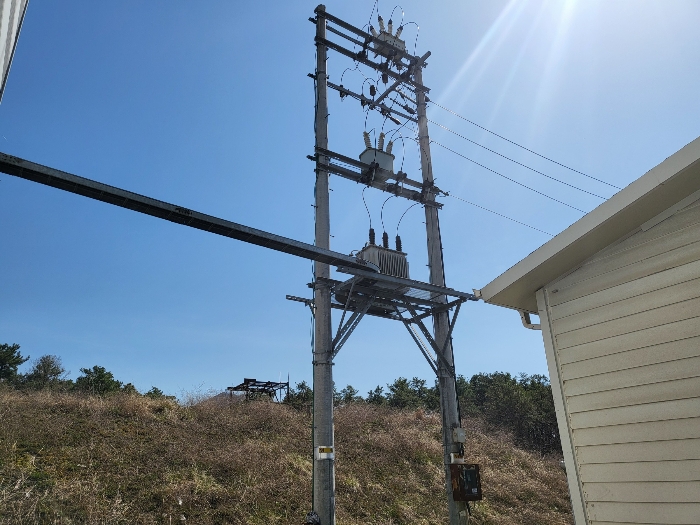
(622, 333)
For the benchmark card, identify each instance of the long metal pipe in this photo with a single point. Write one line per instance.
(27, 170)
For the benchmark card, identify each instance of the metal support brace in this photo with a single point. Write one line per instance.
(345, 331)
(428, 336)
(418, 342)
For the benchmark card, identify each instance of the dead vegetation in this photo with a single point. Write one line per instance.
(70, 458)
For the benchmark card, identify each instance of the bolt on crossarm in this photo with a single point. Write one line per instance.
(441, 322)
(324, 463)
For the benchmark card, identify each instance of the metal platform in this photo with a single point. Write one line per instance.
(392, 298)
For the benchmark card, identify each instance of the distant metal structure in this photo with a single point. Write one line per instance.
(11, 17)
(254, 389)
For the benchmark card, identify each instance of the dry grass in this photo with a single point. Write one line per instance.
(74, 459)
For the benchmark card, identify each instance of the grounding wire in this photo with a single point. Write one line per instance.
(521, 146)
(499, 214)
(508, 178)
(515, 161)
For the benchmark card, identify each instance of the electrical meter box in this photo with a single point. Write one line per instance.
(466, 482)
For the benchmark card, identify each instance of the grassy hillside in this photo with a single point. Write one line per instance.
(72, 458)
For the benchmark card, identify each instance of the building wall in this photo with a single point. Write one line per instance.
(11, 14)
(622, 334)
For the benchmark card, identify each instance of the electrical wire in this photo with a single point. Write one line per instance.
(499, 214)
(366, 208)
(381, 213)
(515, 161)
(402, 215)
(507, 178)
(521, 146)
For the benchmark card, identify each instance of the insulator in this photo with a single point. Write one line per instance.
(380, 141)
(371, 236)
(385, 240)
(399, 248)
(372, 90)
(390, 27)
(389, 147)
(368, 142)
(373, 31)
(398, 32)
(385, 78)
(381, 22)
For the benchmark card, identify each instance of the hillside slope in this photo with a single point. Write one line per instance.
(67, 458)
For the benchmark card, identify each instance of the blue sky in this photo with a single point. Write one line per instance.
(208, 105)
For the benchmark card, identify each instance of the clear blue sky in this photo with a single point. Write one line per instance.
(207, 105)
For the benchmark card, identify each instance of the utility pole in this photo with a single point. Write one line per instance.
(324, 462)
(449, 404)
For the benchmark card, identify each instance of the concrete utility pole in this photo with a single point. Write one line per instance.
(324, 462)
(441, 321)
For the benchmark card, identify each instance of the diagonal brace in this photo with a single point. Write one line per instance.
(417, 340)
(345, 331)
(428, 336)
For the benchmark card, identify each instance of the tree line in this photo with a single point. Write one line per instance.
(47, 372)
(521, 405)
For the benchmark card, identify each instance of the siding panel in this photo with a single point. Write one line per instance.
(632, 323)
(646, 513)
(643, 338)
(663, 411)
(680, 449)
(642, 375)
(688, 217)
(635, 395)
(656, 281)
(630, 257)
(641, 491)
(642, 471)
(629, 273)
(627, 307)
(638, 432)
(637, 358)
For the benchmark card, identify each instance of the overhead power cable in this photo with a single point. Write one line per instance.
(499, 214)
(516, 162)
(523, 147)
(507, 178)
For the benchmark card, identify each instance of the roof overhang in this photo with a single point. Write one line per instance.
(670, 182)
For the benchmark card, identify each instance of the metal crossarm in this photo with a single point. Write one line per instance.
(372, 103)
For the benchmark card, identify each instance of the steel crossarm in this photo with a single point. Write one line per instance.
(370, 102)
(409, 283)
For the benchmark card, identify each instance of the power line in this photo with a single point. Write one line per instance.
(499, 214)
(523, 147)
(507, 178)
(516, 162)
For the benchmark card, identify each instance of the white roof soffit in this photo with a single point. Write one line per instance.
(663, 186)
